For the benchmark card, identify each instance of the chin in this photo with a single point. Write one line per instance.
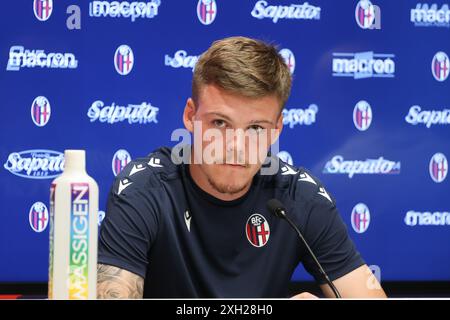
(229, 182)
(229, 188)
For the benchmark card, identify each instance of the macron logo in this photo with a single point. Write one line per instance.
(155, 163)
(123, 184)
(137, 168)
(187, 219)
(287, 170)
(325, 194)
(306, 178)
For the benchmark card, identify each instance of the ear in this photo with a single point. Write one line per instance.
(189, 115)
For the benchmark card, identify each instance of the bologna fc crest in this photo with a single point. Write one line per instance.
(257, 230)
(360, 218)
(286, 157)
(43, 9)
(206, 11)
(38, 217)
(365, 14)
(289, 59)
(362, 115)
(120, 159)
(124, 60)
(438, 167)
(440, 66)
(40, 111)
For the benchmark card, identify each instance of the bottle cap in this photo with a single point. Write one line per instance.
(75, 160)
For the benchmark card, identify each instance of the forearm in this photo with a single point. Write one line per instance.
(116, 283)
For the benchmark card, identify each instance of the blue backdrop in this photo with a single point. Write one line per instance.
(368, 114)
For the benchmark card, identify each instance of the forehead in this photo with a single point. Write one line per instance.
(214, 99)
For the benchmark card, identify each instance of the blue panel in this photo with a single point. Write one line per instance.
(368, 114)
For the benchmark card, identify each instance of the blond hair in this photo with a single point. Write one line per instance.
(243, 66)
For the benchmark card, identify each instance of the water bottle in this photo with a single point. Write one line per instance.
(73, 231)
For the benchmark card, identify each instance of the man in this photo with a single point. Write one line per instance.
(202, 228)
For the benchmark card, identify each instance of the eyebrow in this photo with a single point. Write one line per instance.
(229, 119)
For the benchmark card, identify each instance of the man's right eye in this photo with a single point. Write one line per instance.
(219, 123)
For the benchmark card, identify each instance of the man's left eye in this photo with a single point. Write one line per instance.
(256, 128)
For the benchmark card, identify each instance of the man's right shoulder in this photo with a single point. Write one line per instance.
(145, 172)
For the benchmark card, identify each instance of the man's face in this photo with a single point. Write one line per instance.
(232, 137)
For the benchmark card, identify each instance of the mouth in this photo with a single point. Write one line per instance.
(235, 166)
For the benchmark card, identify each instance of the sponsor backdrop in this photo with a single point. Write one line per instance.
(369, 112)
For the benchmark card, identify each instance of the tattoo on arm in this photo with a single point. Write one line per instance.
(116, 283)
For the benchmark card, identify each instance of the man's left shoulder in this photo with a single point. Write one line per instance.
(303, 185)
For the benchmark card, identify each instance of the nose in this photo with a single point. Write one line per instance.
(235, 145)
